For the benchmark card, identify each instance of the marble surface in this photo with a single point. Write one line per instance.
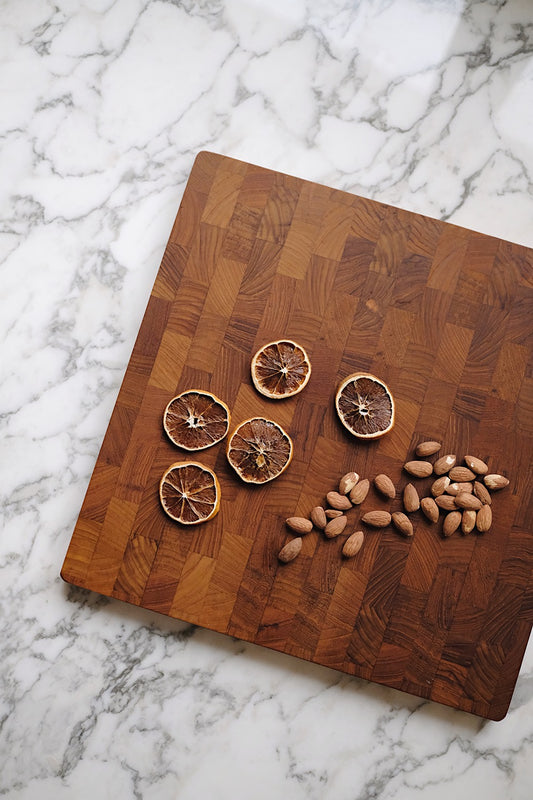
(103, 106)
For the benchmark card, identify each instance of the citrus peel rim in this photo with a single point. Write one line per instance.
(194, 421)
(278, 370)
(258, 451)
(190, 498)
(365, 405)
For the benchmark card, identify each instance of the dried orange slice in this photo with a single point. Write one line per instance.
(259, 450)
(365, 405)
(196, 419)
(189, 493)
(280, 369)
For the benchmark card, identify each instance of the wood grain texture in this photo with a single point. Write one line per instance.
(439, 312)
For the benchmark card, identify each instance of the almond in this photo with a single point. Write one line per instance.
(318, 517)
(461, 474)
(425, 449)
(402, 523)
(299, 524)
(451, 522)
(439, 486)
(384, 485)
(411, 500)
(446, 502)
(495, 482)
(347, 482)
(338, 501)
(377, 519)
(457, 488)
(335, 526)
(483, 493)
(420, 469)
(359, 492)
(484, 519)
(468, 521)
(331, 513)
(444, 464)
(466, 500)
(353, 544)
(291, 550)
(476, 465)
(430, 508)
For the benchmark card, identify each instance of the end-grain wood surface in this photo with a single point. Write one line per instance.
(443, 315)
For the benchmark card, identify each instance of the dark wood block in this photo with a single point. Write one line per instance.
(444, 315)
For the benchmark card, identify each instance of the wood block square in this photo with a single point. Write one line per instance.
(443, 315)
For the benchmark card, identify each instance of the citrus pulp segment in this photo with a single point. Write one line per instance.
(196, 419)
(365, 405)
(259, 450)
(189, 493)
(280, 369)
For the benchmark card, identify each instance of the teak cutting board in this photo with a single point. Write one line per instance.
(444, 316)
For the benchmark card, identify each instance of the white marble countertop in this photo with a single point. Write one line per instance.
(103, 107)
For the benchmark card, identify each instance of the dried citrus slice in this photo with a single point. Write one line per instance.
(259, 450)
(196, 419)
(365, 405)
(280, 369)
(189, 492)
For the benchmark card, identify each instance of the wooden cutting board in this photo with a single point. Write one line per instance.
(444, 316)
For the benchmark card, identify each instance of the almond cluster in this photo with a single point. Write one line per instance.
(460, 493)
(331, 519)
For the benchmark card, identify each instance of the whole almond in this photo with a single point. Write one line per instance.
(466, 500)
(425, 449)
(402, 523)
(451, 522)
(318, 517)
(446, 502)
(476, 465)
(411, 500)
(353, 544)
(384, 485)
(331, 513)
(430, 508)
(468, 521)
(457, 488)
(461, 474)
(481, 491)
(338, 501)
(335, 526)
(495, 482)
(291, 550)
(444, 464)
(377, 519)
(299, 524)
(347, 482)
(484, 519)
(359, 492)
(439, 486)
(420, 469)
